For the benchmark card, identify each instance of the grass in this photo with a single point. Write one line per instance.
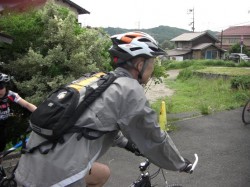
(196, 94)
(231, 71)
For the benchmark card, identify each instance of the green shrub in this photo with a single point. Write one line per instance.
(205, 109)
(185, 74)
(244, 64)
(240, 82)
(171, 64)
(240, 97)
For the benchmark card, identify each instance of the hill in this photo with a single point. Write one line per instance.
(161, 33)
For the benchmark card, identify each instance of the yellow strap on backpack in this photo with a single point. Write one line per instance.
(80, 83)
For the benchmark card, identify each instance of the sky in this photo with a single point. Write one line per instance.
(215, 15)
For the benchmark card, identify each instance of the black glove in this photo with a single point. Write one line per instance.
(188, 166)
(132, 148)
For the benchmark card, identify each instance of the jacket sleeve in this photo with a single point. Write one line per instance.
(120, 140)
(138, 123)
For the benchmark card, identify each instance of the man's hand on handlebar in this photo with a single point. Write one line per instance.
(132, 148)
(189, 166)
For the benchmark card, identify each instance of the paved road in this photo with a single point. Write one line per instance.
(221, 141)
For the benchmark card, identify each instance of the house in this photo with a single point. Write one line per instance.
(195, 45)
(22, 5)
(234, 35)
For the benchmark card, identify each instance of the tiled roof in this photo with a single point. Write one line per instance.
(185, 37)
(188, 36)
(79, 9)
(237, 30)
(204, 46)
(177, 52)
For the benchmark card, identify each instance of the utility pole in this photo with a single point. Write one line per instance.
(221, 42)
(221, 38)
(191, 11)
(241, 43)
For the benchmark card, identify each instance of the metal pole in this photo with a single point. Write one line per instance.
(193, 20)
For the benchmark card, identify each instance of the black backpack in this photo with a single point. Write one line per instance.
(57, 115)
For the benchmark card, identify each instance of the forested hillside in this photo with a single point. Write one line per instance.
(163, 34)
(160, 33)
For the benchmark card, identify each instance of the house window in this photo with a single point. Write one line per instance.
(233, 40)
(183, 45)
(179, 45)
(211, 54)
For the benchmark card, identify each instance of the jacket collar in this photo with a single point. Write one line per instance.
(124, 72)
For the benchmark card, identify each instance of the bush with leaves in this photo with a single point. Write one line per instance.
(236, 48)
(241, 82)
(62, 51)
(50, 49)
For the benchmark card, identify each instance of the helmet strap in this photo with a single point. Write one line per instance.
(140, 73)
(145, 64)
(132, 65)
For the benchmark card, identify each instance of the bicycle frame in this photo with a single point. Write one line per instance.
(6, 181)
(19, 144)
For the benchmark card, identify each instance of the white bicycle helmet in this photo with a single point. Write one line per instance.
(133, 44)
(4, 78)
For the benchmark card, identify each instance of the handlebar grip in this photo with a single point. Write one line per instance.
(144, 165)
(195, 163)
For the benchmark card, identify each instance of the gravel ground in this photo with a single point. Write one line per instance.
(157, 91)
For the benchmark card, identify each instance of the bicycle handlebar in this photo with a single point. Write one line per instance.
(195, 163)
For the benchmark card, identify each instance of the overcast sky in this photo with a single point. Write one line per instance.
(213, 15)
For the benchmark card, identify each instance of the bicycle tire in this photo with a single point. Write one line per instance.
(246, 113)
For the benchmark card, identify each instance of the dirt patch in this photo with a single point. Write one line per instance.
(158, 91)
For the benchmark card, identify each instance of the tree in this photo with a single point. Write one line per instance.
(26, 30)
(50, 49)
(236, 49)
(167, 44)
(58, 52)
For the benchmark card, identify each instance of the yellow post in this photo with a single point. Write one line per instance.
(163, 117)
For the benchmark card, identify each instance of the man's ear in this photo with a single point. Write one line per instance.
(139, 63)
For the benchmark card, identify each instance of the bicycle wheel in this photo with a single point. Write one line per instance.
(246, 113)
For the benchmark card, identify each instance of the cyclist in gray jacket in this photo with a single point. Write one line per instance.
(124, 108)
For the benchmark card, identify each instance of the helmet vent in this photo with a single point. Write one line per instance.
(144, 40)
(131, 36)
(135, 48)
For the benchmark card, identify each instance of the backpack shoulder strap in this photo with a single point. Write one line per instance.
(103, 83)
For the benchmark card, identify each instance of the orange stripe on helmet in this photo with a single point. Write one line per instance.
(126, 39)
(129, 37)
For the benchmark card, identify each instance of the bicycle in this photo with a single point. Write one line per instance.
(144, 180)
(7, 179)
(246, 113)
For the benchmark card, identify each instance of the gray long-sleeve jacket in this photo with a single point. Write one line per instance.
(122, 107)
